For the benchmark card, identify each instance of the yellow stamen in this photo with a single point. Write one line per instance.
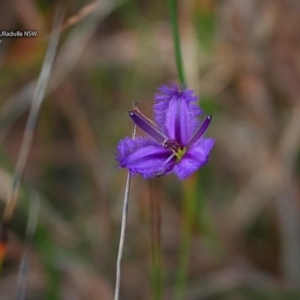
(179, 154)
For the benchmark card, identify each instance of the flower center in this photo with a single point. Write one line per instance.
(180, 153)
(176, 148)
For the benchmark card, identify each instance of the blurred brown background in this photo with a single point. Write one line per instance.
(243, 58)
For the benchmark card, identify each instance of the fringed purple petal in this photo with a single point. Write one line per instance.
(144, 156)
(196, 157)
(176, 112)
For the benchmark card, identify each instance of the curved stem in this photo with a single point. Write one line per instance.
(122, 237)
(123, 229)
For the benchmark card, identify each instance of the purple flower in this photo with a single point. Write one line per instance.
(175, 143)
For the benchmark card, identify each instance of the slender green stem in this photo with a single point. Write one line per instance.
(188, 216)
(175, 31)
(156, 252)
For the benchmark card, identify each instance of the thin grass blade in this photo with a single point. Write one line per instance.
(29, 132)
